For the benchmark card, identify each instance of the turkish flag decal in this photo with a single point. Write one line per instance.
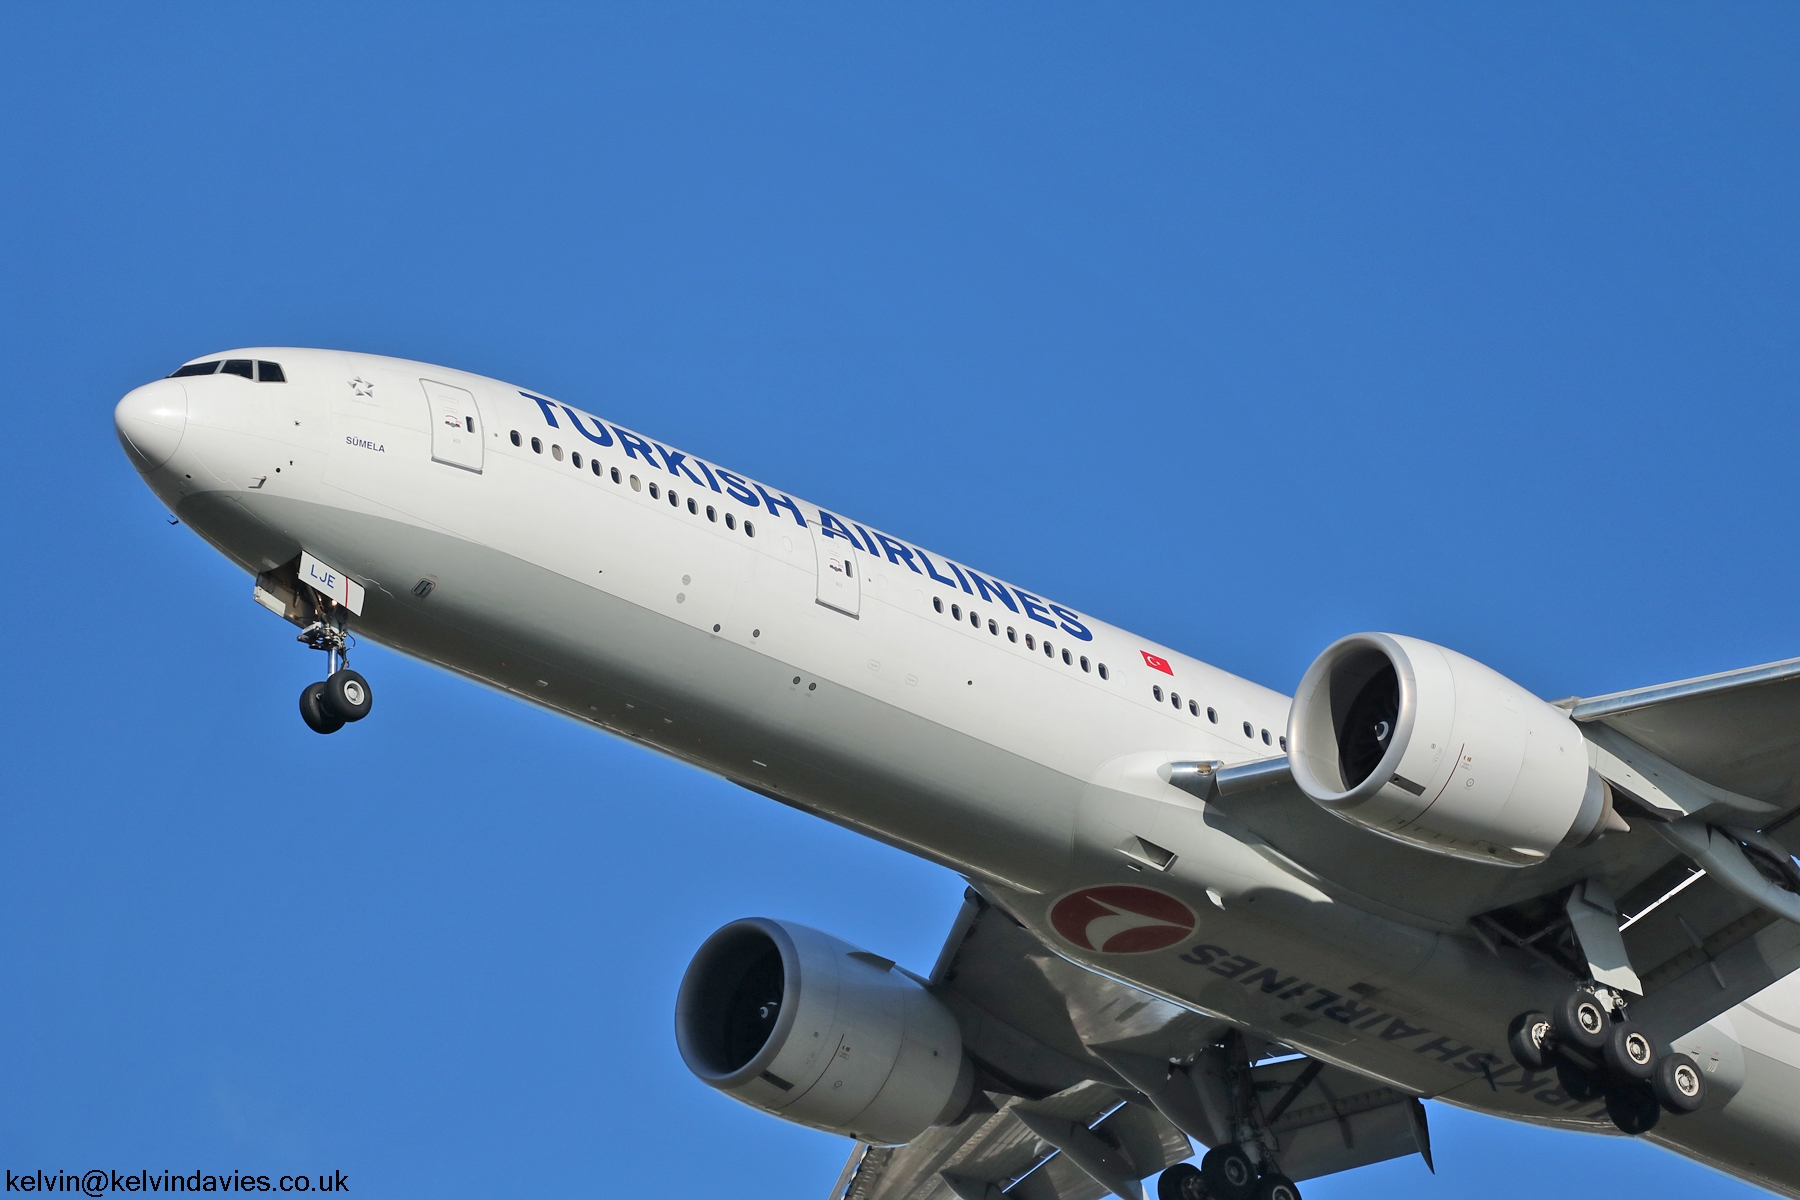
(1157, 664)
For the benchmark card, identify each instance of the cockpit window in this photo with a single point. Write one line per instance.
(268, 372)
(205, 368)
(238, 366)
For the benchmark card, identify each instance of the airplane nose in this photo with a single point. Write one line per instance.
(151, 420)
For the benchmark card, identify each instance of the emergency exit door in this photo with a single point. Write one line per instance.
(840, 579)
(455, 426)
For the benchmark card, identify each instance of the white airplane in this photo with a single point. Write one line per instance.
(1198, 911)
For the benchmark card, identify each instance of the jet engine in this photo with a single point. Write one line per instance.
(813, 1030)
(1426, 746)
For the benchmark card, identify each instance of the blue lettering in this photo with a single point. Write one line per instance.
(603, 439)
(1071, 624)
(710, 481)
(897, 552)
(957, 571)
(678, 465)
(932, 571)
(830, 526)
(1034, 608)
(737, 489)
(635, 446)
(775, 505)
(984, 584)
(1203, 955)
(549, 411)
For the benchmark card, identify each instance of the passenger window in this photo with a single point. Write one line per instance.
(1084, 662)
(712, 514)
(515, 437)
(1068, 659)
(1175, 699)
(575, 459)
(1030, 642)
(692, 507)
(556, 452)
(1212, 715)
(1048, 651)
(1283, 741)
(749, 529)
(594, 465)
(238, 366)
(205, 368)
(267, 372)
(1265, 737)
(1103, 673)
(674, 501)
(1156, 690)
(537, 446)
(1193, 708)
(731, 520)
(956, 612)
(937, 602)
(615, 474)
(655, 492)
(1012, 635)
(1249, 732)
(636, 484)
(975, 620)
(993, 627)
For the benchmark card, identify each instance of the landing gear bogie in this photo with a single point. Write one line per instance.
(1598, 1052)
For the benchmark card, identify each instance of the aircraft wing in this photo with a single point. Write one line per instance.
(1738, 729)
(1032, 1022)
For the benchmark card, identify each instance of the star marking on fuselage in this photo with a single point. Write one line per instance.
(362, 387)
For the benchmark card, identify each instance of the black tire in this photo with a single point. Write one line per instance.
(1275, 1186)
(1678, 1084)
(1576, 1083)
(1531, 1040)
(1181, 1182)
(1633, 1109)
(313, 711)
(1629, 1052)
(1581, 1020)
(347, 695)
(1228, 1174)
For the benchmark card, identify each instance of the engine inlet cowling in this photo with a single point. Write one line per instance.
(1429, 747)
(802, 1025)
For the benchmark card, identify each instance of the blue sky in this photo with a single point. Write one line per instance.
(1244, 328)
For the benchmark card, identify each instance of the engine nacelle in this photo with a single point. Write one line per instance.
(813, 1030)
(1426, 746)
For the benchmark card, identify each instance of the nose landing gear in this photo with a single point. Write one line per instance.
(344, 695)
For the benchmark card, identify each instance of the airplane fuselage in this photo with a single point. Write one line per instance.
(855, 675)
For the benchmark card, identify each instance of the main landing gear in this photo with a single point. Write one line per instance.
(343, 696)
(1598, 1052)
(1225, 1173)
(1242, 1162)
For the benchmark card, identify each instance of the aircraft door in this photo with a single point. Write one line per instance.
(455, 426)
(840, 576)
